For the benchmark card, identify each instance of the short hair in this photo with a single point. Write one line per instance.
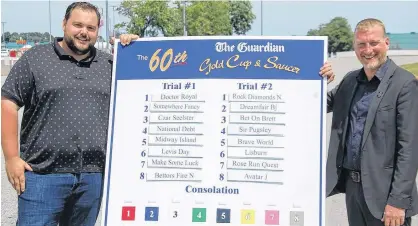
(83, 6)
(368, 23)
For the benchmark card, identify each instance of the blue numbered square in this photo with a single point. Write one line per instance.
(223, 216)
(151, 213)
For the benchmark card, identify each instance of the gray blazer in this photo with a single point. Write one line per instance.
(389, 150)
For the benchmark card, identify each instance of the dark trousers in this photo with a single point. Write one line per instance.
(357, 211)
(64, 199)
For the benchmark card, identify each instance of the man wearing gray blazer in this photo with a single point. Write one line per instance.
(373, 149)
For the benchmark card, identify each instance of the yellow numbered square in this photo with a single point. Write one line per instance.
(247, 217)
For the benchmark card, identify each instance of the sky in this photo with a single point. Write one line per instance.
(279, 17)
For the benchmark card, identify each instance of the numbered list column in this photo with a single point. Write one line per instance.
(173, 125)
(255, 135)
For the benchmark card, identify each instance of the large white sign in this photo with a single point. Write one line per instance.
(204, 131)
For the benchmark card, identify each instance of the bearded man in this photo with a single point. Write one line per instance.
(64, 88)
(373, 149)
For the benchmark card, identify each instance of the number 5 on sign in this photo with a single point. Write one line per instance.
(223, 216)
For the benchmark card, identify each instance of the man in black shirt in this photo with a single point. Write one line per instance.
(64, 88)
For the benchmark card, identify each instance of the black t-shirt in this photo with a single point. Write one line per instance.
(66, 105)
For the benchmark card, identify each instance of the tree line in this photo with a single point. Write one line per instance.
(28, 36)
(203, 18)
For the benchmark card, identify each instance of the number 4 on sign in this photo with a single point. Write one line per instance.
(199, 215)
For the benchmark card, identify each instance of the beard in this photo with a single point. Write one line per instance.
(375, 63)
(71, 45)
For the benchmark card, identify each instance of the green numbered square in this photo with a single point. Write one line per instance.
(199, 215)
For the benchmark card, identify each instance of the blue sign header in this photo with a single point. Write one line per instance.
(210, 58)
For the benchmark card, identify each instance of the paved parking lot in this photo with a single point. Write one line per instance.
(335, 206)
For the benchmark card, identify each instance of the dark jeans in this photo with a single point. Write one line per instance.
(67, 199)
(357, 211)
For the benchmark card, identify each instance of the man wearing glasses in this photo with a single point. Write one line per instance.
(373, 150)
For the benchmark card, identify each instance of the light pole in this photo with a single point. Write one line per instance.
(49, 3)
(261, 17)
(2, 27)
(107, 24)
(184, 19)
(114, 23)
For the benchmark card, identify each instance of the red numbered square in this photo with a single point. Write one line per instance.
(128, 213)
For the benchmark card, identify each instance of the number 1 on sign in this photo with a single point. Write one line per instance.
(128, 213)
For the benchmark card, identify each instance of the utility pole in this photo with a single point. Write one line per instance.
(114, 23)
(2, 27)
